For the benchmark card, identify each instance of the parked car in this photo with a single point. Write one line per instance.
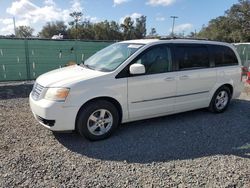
(135, 80)
(59, 36)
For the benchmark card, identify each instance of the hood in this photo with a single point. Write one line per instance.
(63, 77)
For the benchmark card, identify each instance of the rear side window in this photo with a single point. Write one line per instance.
(224, 56)
(192, 57)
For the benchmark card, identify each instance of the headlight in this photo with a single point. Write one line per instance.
(57, 94)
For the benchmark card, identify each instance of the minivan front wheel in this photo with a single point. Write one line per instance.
(97, 120)
(220, 100)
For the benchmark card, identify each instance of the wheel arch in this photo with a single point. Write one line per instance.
(218, 86)
(230, 87)
(211, 104)
(109, 99)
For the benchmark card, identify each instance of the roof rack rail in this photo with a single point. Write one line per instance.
(186, 38)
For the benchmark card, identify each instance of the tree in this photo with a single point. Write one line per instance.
(53, 28)
(86, 31)
(140, 27)
(192, 34)
(234, 26)
(102, 30)
(115, 31)
(107, 31)
(77, 17)
(134, 30)
(152, 32)
(217, 30)
(239, 15)
(128, 28)
(24, 31)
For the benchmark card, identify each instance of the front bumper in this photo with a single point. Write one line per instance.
(55, 116)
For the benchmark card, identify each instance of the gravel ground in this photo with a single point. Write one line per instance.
(192, 149)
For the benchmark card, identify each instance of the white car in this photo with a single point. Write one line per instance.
(134, 80)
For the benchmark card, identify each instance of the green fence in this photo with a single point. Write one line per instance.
(243, 50)
(27, 59)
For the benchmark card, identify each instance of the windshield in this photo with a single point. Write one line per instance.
(109, 58)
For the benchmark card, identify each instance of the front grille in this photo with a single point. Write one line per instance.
(47, 122)
(37, 91)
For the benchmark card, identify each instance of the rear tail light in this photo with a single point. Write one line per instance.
(248, 75)
(245, 73)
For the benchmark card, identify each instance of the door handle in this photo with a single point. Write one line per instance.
(184, 77)
(169, 79)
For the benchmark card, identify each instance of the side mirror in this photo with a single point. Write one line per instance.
(137, 69)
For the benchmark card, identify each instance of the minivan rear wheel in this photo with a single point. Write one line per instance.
(97, 120)
(220, 100)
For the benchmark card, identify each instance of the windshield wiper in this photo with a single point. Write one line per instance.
(89, 67)
(83, 65)
(104, 70)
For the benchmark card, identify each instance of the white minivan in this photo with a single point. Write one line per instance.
(134, 80)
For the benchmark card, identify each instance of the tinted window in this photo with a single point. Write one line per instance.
(192, 57)
(224, 56)
(156, 60)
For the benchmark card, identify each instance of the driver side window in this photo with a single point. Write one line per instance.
(156, 60)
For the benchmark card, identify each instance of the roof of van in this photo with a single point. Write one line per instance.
(149, 41)
(248, 43)
(141, 41)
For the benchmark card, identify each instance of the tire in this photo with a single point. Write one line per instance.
(97, 120)
(220, 100)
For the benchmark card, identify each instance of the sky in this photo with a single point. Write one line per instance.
(192, 14)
